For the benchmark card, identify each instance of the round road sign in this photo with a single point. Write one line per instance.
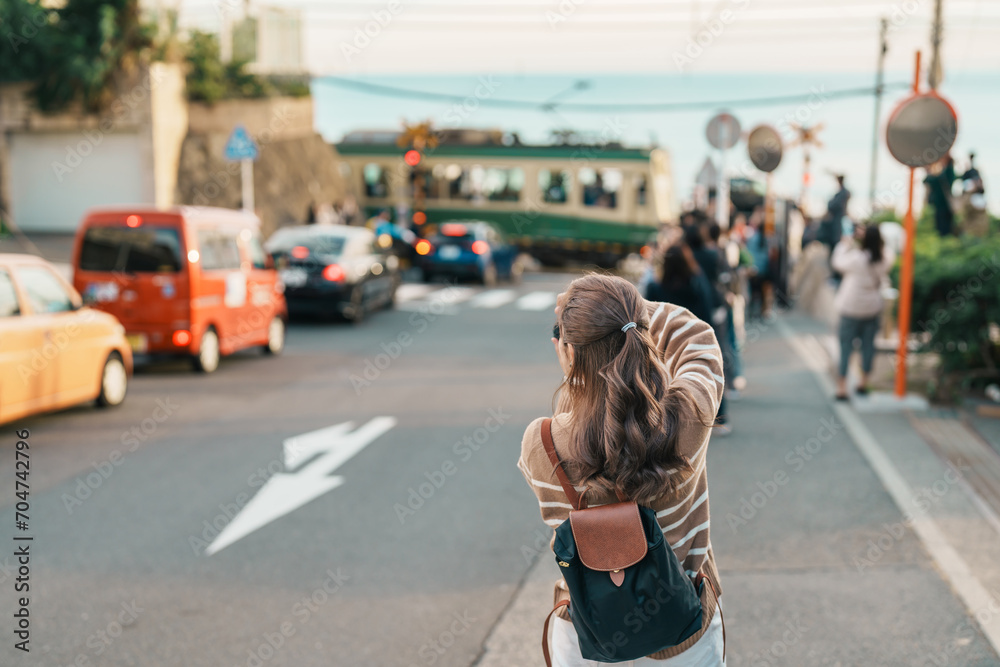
(723, 131)
(764, 147)
(921, 130)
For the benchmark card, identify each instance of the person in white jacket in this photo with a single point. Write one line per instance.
(864, 262)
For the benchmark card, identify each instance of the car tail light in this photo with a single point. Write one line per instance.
(300, 252)
(133, 221)
(334, 273)
(480, 247)
(423, 247)
(182, 338)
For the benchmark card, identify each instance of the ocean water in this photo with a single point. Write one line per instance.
(848, 123)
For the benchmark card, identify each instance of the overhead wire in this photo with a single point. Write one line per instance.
(618, 107)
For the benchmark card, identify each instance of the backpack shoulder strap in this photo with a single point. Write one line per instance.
(545, 632)
(550, 449)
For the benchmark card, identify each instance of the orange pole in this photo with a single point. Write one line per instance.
(906, 272)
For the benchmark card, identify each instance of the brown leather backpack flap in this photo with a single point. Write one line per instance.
(609, 537)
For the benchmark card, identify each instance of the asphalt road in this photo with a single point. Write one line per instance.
(409, 561)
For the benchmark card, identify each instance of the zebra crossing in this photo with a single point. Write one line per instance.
(446, 299)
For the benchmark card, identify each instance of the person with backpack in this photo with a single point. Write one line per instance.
(864, 262)
(620, 475)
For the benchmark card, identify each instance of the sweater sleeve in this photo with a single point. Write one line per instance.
(538, 472)
(693, 361)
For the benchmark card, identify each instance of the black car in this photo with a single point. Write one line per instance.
(331, 270)
(469, 249)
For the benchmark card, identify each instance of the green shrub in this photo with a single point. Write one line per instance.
(956, 300)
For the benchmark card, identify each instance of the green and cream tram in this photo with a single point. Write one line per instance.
(594, 203)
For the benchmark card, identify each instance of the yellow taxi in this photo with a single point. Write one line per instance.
(54, 351)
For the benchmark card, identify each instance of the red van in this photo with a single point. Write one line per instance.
(191, 281)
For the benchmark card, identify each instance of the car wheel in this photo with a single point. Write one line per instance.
(391, 301)
(275, 336)
(114, 382)
(207, 359)
(489, 276)
(356, 310)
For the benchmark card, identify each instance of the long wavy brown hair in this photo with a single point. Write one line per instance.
(625, 415)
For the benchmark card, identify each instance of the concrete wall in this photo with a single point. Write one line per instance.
(45, 199)
(53, 167)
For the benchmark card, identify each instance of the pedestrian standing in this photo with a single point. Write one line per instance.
(864, 261)
(759, 246)
(975, 219)
(642, 380)
(939, 184)
(831, 226)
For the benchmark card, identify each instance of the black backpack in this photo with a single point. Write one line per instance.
(629, 595)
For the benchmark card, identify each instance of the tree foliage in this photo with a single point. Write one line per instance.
(76, 53)
(210, 80)
(25, 34)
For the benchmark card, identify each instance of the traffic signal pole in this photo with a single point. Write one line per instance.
(906, 272)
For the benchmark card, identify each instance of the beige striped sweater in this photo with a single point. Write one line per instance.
(693, 361)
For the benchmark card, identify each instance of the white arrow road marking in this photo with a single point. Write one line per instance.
(493, 298)
(286, 492)
(537, 301)
(300, 448)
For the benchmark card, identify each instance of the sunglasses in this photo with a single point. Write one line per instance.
(555, 331)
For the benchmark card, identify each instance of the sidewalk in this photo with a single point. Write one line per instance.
(846, 525)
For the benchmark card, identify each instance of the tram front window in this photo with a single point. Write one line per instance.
(555, 186)
(600, 187)
(376, 181)
(640, 189)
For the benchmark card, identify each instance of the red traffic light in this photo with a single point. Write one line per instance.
(419, 218)
(412, 157)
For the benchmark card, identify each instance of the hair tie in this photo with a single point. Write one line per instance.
(630, 325)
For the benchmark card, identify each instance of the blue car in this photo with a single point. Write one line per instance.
(472, 250)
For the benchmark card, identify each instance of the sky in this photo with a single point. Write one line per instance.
(650, 51)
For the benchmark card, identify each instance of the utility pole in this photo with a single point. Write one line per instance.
(934, 72)
(879, 77)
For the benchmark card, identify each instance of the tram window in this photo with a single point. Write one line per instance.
(457, 182)
(503, 184)
(600, 187)
(376, 181)
(640, 189)
(556, 186)
(440, 181)
(424, 181)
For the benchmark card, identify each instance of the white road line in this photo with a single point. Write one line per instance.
(423, 306)
(537, 301)
(410, 291)
(452, 294)
(493, 298)
(949, 562)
